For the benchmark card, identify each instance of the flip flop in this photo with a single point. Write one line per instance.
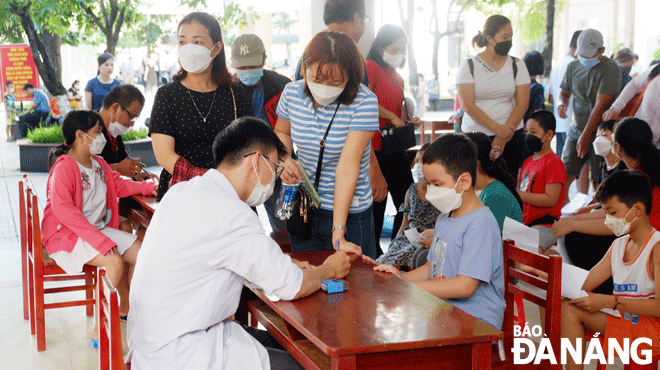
(94, 343)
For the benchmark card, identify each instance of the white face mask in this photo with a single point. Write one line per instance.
(115, 128)
(324, 94)
(418, 173)
(602, 146)
(194, 58)
(393, 60)
(619, 226)
(261, 193)
(96, 147)
(444, 199)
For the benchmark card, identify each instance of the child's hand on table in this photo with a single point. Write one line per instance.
(368, 259)
(388, 268)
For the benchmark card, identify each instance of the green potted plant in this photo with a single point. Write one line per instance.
(35, 148)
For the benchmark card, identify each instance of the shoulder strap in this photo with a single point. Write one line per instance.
(233, 98)
(515, 68)
(471, 65)
(317, 177)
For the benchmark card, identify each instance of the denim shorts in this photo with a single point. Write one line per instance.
(359, 230)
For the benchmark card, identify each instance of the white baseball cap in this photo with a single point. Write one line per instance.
(589, 42)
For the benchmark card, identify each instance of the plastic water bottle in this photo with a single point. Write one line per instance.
(284, 205)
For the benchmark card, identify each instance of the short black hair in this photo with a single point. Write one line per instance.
(534, 63)
(607, 125)
(242, 136)
(574, 39)
(123, 94)
(341, 11)
(8, 83)
(28, 86)
(629, 187)
(545, 119)
(456, 153)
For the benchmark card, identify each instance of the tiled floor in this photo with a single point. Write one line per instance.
(67, 329)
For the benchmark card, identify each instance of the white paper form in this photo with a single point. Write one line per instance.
(572, 278)
(576, 203)
(525, 237)
(414, 236)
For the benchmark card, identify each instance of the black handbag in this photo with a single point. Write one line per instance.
(399, 139)
(300, 222)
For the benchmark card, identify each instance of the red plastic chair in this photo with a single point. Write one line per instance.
(38, 270)
(552, 300)
(111, 353)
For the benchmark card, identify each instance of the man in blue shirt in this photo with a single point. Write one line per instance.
(38, 111)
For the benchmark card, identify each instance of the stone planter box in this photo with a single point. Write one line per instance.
(34, 157)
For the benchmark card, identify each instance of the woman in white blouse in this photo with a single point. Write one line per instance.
(649, 108)
(493, 88)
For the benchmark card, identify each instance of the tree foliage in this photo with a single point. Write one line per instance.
(232, 19)
(108, 16)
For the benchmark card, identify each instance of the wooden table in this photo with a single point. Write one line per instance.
(139, 208)
(381, 322)
(438, 122)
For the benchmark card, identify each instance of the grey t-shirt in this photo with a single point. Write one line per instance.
(585, 84)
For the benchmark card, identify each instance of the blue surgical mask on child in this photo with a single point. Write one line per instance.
(588, 62)
(250, 77)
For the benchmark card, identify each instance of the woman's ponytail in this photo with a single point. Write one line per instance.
(479, 40)
(56, 152)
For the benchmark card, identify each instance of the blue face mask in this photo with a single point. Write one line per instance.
(588, 62)
(250, 77)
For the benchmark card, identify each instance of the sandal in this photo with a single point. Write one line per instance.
(94, 343)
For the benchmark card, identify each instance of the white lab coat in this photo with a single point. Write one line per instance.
(202, 244)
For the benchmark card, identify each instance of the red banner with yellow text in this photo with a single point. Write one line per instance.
(17, 66)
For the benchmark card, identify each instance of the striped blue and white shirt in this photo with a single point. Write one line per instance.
(308, 127)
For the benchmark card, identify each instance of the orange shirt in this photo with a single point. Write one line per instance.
(53, 107)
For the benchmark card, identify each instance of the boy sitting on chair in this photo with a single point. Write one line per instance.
(632, 262)
(465, 258)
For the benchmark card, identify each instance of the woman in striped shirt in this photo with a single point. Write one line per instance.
(331, 95)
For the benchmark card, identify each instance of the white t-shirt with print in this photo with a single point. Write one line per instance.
(94, 194)
(494, 91)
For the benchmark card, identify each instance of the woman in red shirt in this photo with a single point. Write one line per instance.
(387, 53)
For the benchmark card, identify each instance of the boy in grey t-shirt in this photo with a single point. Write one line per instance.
(465, 264)
(594, 81)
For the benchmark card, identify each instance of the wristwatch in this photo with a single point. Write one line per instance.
(339, 227)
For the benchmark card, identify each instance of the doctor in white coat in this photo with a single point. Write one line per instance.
(203, 242)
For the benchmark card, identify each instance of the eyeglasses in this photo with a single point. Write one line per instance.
(133, 116)
(279, 169)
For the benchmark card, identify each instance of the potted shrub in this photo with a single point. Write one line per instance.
(34, 150)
